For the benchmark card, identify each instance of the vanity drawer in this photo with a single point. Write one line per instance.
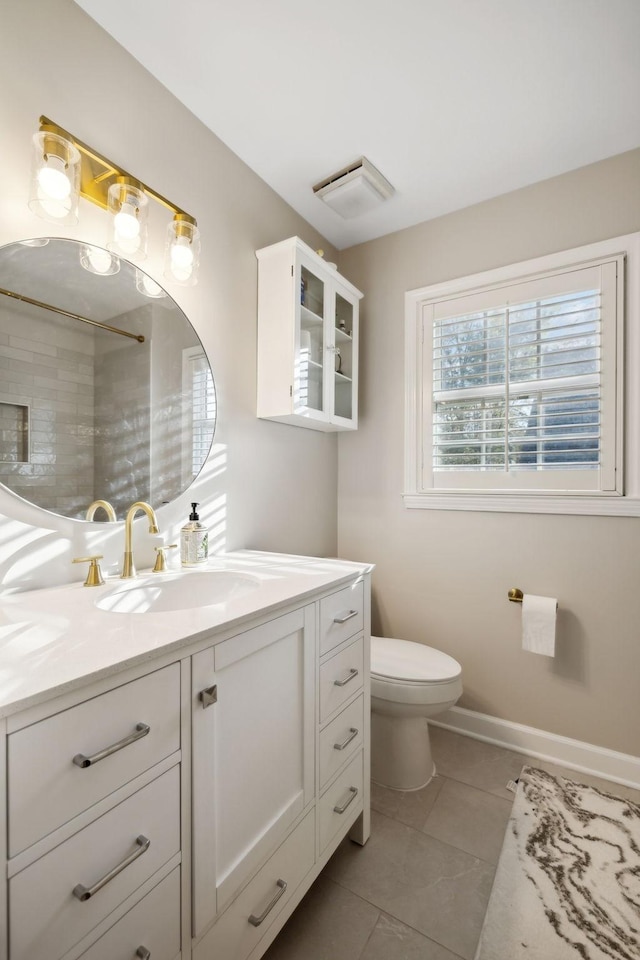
(341, 801)
(341, 616)
(340, 677)
(233, 937)
(153, 924)
(341, 739)
(46, 919)
(47, 787)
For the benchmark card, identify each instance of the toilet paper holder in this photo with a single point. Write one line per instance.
(517, 596)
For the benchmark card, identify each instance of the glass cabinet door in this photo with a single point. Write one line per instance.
(310, 390)
(308, 321)
(344, 358)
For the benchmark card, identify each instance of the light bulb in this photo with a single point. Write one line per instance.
(181, 258)
(100, 260)
(182, 254)
(53, 180)
(151, 288)
(182, 250)
(148, 287)
(55, 177)
(129, 206)
(127, 225)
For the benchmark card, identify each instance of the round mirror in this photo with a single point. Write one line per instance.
(106, 392)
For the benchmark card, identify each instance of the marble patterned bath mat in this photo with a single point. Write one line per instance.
(567, 886)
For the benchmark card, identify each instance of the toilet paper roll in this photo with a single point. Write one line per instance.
(539, 624)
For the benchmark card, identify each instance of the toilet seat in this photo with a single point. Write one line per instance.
(405, 662)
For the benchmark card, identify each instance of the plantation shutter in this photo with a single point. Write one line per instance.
(523, 385)
(203, 409)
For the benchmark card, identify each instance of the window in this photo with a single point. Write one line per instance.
(200, 416)
(515, 387)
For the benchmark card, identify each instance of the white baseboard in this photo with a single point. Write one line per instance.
(585, 757)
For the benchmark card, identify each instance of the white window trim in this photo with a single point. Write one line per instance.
(597, 504)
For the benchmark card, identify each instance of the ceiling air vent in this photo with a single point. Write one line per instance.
(355, 189)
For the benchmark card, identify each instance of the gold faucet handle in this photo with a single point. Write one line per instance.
(161, 560)
(94, 573)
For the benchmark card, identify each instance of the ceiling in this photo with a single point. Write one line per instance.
(455, 101)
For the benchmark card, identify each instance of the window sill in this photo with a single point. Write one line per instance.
(591, 506)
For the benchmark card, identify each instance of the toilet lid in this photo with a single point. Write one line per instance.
(406, 660)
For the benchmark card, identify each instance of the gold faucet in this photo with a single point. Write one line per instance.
(128, 566)
(106, 506)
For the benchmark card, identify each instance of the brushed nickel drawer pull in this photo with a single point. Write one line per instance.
(142, 729)
(353, 733)
(83, 893)
(208, 696)
(353, 673)
(341, 807)
(256, 921)
(143, 953)
(352, 613)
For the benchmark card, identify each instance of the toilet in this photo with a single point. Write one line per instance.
(409, 683)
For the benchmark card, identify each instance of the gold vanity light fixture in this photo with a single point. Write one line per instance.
(64, 169)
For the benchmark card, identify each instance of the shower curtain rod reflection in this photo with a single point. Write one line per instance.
(73, 316)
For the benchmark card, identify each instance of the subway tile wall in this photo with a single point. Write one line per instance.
(48, 368)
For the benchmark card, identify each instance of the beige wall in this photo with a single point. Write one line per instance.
(268, 485)
(442, 577)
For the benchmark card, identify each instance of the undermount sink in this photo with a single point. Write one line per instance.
(179, 592)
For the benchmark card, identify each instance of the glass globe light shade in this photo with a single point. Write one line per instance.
(55, 178)
(128, 205)
(148, 287)
(99, 261)
(182, 252)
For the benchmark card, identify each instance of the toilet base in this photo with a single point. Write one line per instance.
(400, 752)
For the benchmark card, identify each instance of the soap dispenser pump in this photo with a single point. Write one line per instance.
(194, 540)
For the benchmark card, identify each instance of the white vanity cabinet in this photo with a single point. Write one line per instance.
(308, 328)
(94, 827)
(281, 767)
(253, 747)
(180, 809)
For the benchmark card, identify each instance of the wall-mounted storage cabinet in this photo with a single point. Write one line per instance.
(307, 339)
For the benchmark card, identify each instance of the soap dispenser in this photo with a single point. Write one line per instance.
(194, 540)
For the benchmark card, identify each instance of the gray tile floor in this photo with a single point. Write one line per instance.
(418, 890)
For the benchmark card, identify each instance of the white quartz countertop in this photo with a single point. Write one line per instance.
(55, 640)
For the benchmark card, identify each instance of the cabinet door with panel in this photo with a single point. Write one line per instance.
(307, 339)
(253, 753)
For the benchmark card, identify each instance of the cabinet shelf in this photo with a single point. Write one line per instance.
(310, 370)
(341, 378)
(342, 337)
(309, 318)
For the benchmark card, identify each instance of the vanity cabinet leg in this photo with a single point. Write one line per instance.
(361, 829)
